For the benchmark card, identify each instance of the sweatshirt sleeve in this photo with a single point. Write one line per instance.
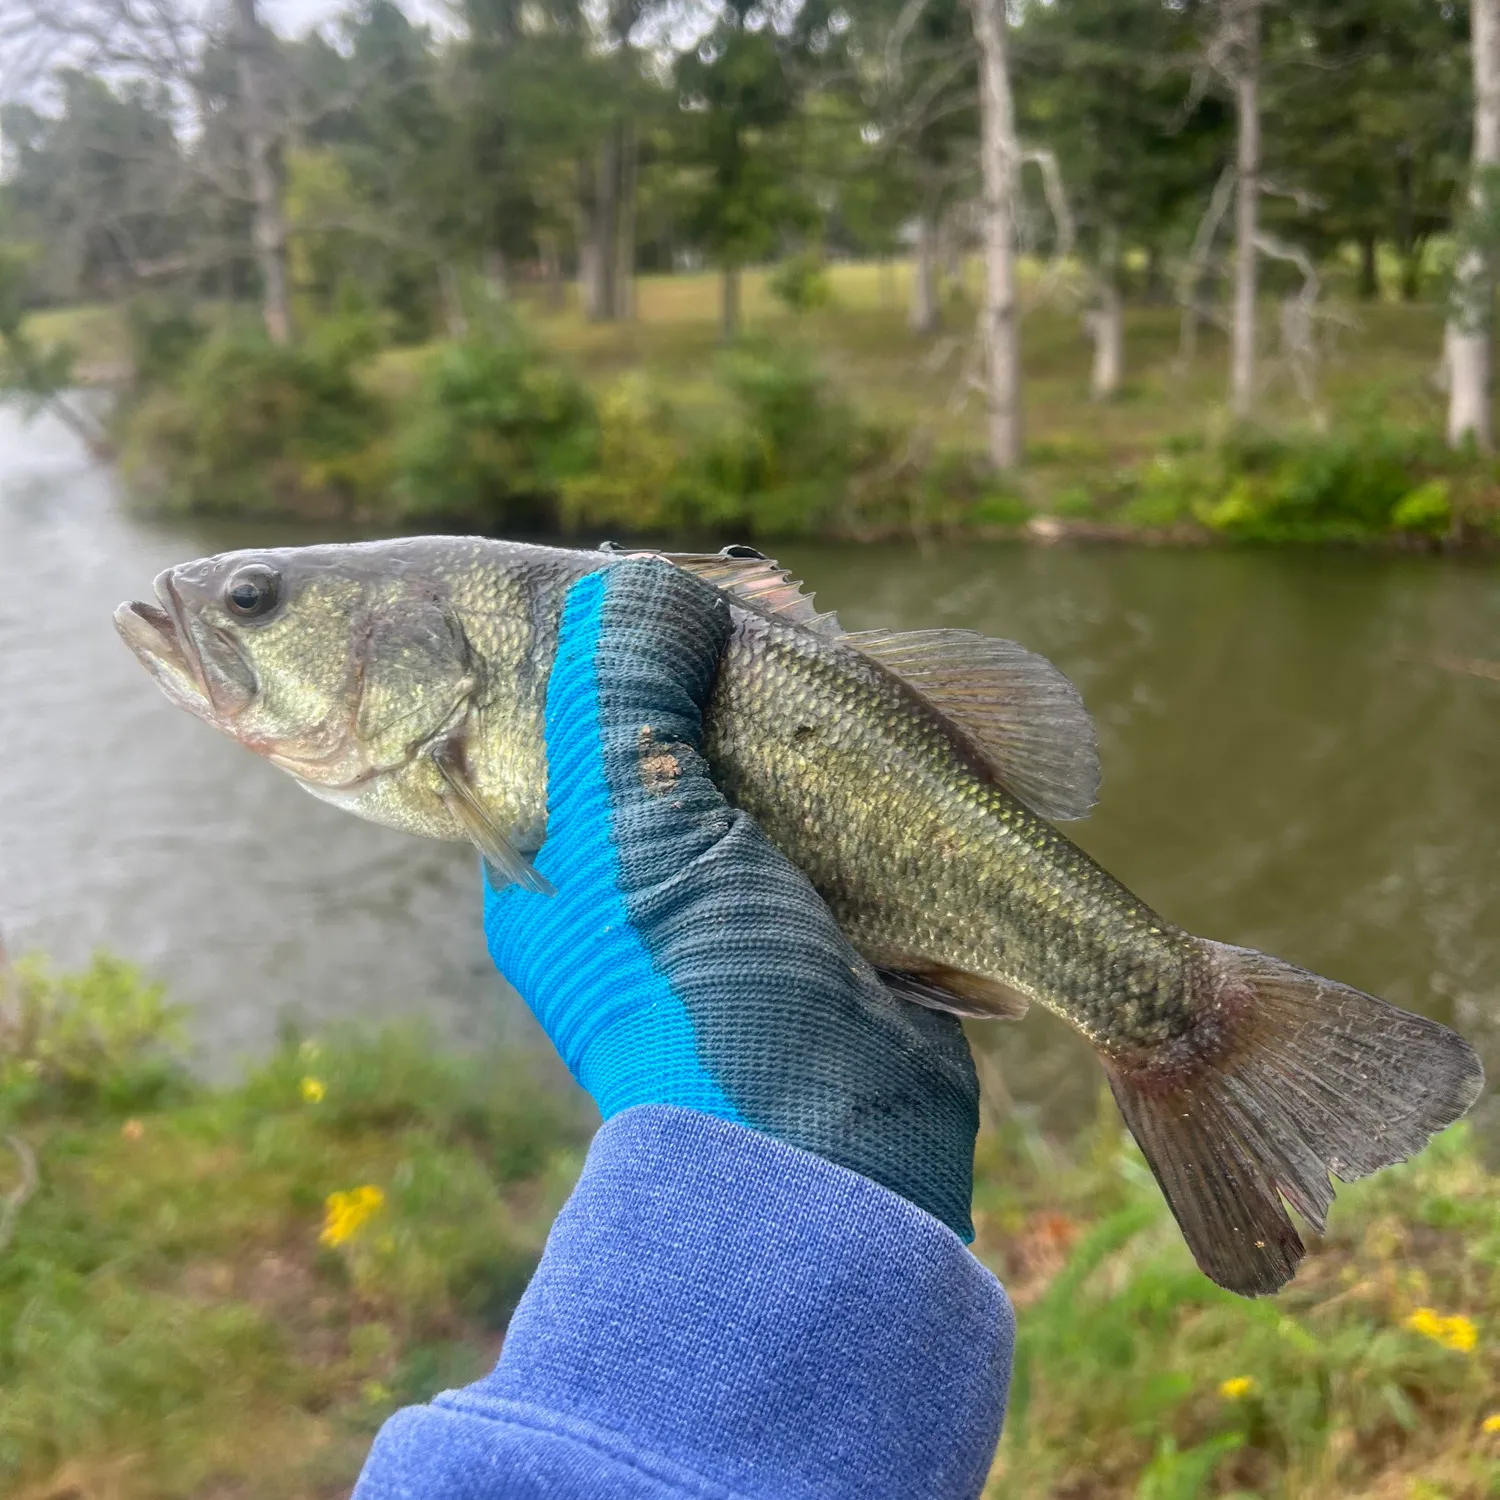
(717, 1314)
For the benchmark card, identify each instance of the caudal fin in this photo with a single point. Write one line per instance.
(1310, 1078)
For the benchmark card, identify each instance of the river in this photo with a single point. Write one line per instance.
(1296, 757)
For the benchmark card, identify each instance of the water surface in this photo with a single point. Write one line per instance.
(1288, 762)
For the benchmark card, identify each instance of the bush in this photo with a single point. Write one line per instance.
(252, 427)
(101, 1037)
(496, 432)
(1255, 487)
(801, 282)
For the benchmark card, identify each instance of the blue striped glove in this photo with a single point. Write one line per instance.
(683, 960)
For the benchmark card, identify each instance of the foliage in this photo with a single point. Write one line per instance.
(99, 1038)
(231, 1287)
(1255, 487)
(801, 282)
(251, 427)
(174, 1319)
(495, 432)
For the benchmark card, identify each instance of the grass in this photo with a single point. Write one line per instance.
(215, 1293)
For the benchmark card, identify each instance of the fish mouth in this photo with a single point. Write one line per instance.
(197, 666)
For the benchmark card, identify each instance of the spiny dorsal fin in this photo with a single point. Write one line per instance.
(1025, 718)
(757, 582)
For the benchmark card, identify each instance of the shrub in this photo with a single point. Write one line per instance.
(801, 282)
(252, 427)
(497, 430)
(103, 1036)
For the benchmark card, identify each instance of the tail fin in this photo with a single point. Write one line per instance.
(1313, 1078)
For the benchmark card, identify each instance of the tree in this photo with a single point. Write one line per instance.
(263, 162)
(1471, 305)
(999, 152)
(739, 98)
(1102, 83)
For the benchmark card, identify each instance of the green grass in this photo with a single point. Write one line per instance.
(174, 1322)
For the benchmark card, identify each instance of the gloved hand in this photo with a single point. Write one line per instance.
(683, 960)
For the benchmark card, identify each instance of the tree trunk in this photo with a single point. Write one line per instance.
(601, 216)
(552, 273)
(1470, 309)
(453, 303)
(1154, 284)
(268, 223)
(922, 317)
(729, 318)
(1369, 268)
(998, 152)
(1107, 323)
(495, 280)
(1247, 204)
(1411, 270)
(625, 222)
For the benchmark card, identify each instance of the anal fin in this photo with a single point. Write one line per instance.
(960, 993)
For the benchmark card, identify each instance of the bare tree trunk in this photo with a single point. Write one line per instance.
(998, 154)
(1107, 324)
(1247, 104)
(1471, 312)
(625, 222)
(922, 317)
(268, 228)
(729, 319)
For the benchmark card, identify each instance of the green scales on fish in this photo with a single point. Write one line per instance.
(915, 778)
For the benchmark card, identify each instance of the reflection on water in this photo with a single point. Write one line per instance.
(1286, 765)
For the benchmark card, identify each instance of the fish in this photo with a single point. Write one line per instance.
(916, 777)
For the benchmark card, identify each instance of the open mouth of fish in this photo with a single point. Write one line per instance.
(196, 665)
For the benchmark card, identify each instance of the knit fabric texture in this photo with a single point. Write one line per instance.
(719, 1315)
(683, 959)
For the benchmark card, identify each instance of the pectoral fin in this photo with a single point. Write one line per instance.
(507, 865)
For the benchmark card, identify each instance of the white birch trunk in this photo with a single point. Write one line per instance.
(1107, 324)
(998, 154)
(1247, 205)
(923, 314)
(1467, 336)
(268, 222)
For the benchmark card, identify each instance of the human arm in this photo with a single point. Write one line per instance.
(759, 1285)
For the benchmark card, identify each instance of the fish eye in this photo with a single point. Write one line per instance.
(253, 592)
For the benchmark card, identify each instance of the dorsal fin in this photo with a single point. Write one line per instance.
(1025, 718)
(758, 582)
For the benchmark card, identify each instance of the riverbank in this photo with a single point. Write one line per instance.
(222, 1292)
(834, 421)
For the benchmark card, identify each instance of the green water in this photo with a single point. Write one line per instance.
(1291, 761)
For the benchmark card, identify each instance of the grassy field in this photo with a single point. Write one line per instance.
(1118, 462)
(208, 1295)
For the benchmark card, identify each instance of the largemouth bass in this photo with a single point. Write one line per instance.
(915, 778)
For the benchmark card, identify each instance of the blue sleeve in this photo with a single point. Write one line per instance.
(720, 1314)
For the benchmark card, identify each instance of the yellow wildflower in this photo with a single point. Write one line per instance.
(1237, 1387)
(345, 1213)
(1491, 1423)
(313, 1090)
(1453, 1332)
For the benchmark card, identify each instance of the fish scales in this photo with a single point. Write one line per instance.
(406, 681)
